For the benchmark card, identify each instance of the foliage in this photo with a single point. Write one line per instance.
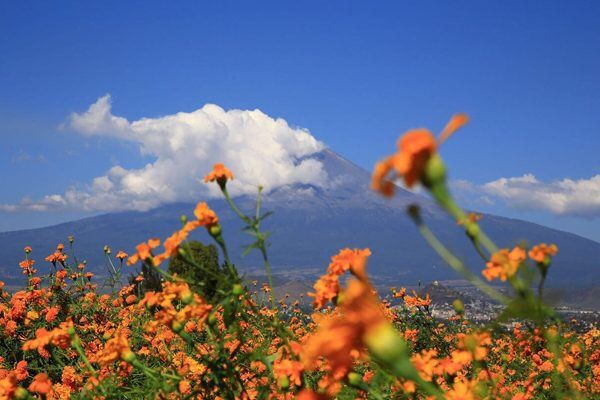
(207, 284)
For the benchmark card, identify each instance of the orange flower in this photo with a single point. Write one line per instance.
(462, 390)
(307, 394)
(41, 384)
(171, 246)
(504, 264)
(415, 148)
(143, 251)
(326, 289)
(290, 369)
(8, 386)
(116, 348)
(57, 337)
(542, 253)
(354, 260)
(206, 217)
(327, 286)
(339, 338)
(220, 173)
(416, 301)
(380, 181)
(121, 255)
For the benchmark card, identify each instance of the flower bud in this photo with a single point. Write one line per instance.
(355, 379)
(21, 393)
(283, 381)
(435, 171)
(215, 230)
(212, 319)
(176, 326)
(459, 307)
(237, 289)
(183, 219)
(187, 296)
(128, 356)
(472, 229)
(385, 343)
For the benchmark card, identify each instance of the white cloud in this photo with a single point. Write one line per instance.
(256, 147)
(571, 197)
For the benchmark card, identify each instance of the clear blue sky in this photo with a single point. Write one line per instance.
(355, 73)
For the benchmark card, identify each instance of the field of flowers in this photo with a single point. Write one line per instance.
(60, 337)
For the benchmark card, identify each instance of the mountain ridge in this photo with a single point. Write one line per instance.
(309, 225)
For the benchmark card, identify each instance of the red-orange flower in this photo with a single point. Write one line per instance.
(327, 286)
(504, 264)
(143, 251)
(116, 348)
(340, 338)
(41, 384)
(220, 173)
(380, 181)
(206, 217)
(542, 252)
(415, 148)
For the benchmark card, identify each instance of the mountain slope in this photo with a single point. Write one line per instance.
(309, 225)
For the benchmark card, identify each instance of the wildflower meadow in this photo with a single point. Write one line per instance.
(167, 335)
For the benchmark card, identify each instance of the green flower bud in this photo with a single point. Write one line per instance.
(215, 230)
(21, 393)
(283, 382)
(435, 171)
(237, 289)
(183, 219)
(385, 343)
(187, 297)
(472, 229)
(128, 356)
(355, 379)
(459, 307)
(212, 319)
(176, 326)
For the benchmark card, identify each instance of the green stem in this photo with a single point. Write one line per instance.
(457, 265)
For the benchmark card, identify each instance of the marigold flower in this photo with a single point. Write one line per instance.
(542, 252)
(116, 348)
(121, 255)
(353, 260)
(220, 174)
(290, 369)
(143, 251)
(415, 148)
(327, 286)
(41, 384)
(206, 217)
(380, 181)
(58, 337)
(338, 337)
(504, 264)
(171, 245)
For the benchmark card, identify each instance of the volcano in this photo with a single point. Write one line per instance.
(310, 224)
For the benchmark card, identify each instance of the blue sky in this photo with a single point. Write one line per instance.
(354, 73)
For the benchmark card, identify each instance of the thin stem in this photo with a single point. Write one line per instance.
(458, 266)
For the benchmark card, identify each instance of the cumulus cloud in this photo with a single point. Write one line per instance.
(261, 150)
(570, 197)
